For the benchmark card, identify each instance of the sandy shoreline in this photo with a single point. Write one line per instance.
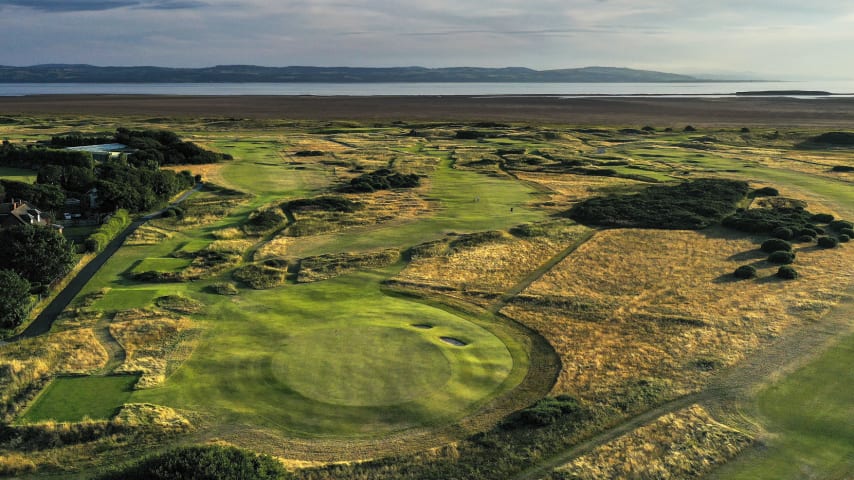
(628, 111)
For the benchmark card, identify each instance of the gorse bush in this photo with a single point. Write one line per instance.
(767, 220)
(783, 233)
(382, 179)
(776, 244)
(840, 225)
(745, 272)
(787, 272)
(545, 412)
(781, 257)
(847, 231)
(765, 192)
(806, 238)
(843, 238)
(828, 242)
(821, 218)
(212, 462)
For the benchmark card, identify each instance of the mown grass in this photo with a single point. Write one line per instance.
(809, 417)
(161, 265)
(127, 298)
(71, 399)
(248, 372)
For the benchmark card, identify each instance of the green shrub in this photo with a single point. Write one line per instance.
(545, 412)
(325, 203)
(766, 220)
(828, 242)
(843, 238)
(841, 224)
(806, 238)
(745, 272)
(209, 462)
(776, 244)
(783, 233)
(847, 231)
(108, 231)
(821, 218)
(807, 232)
(382, 179)
(781, 257)
(787, 272)
(766, 192)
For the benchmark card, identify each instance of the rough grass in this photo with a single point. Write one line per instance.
(683, 444)
(71, 399)
(148, 235)
(154, 345)
(634, 304)
(481, 271)
(324, 267)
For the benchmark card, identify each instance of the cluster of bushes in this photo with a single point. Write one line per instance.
(138, 188)
(785, 223)
(40, 255)
(209, 462)
(15, 303)
(382, 179)
(108, 231)
(324, 267)
(326, 203)
(690, 205)
(223, 288)
(834, 138)
(162, 147)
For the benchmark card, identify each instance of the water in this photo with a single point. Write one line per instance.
(374, 89)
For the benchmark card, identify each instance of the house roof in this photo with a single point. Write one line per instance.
(102, 148)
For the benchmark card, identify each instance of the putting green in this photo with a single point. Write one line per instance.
(356, 367)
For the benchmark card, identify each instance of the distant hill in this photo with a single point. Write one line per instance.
(58, 73)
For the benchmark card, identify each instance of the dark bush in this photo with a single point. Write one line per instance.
(809, 232)
(821, 218)
(648, 128)
(828, 242)
(834, 138)
(689, 128)
(776, 244)
(382, 179)
(544, 412)
(806, 238)
(765, 220)
(847, 231)
(781, 257)
(840, 224)
(766, 192)
(210, 462)
(469, 134)
(842, 168)
(326, 203)
(689, 205)
(843, 238)
(309, 153)
(787, 272)
(783, 233)
(745, 130)
(745, 272)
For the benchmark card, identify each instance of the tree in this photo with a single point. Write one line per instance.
(15, 302)
(38, 254)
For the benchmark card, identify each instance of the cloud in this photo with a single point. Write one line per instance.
(99, 5)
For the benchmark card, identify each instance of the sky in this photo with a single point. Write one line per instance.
(769, 39)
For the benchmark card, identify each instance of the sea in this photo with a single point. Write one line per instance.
(700, 89)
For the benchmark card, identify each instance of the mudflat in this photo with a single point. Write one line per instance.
(834, 112)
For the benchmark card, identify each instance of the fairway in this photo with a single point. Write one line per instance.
(17, 174)
(71, 399)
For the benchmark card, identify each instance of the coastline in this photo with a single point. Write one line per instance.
(657, 111)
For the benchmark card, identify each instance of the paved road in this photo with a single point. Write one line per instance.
(44, 321)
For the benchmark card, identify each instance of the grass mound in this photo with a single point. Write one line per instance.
(690, 205)
(262, 276)
(324, 267)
